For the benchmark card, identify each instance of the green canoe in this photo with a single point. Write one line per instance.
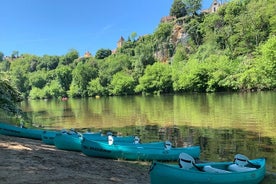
(16, 131)
(135, 151)
(241, 171)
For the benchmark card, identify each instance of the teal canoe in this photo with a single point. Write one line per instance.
(68, 140)
(16, 131)
(48, 136)
(251, 172)
(135, 152)
(71, 140)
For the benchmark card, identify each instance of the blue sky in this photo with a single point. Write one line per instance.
(53, 27)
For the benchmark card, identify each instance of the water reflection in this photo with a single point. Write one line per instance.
(216, 144)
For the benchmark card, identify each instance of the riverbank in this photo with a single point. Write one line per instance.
(30, 161)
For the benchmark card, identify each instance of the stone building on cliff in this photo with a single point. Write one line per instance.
(214, 7)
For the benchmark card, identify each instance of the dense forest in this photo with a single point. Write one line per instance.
(233, 49)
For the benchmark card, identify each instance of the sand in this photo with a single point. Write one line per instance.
(30, 161)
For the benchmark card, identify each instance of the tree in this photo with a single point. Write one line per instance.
(192, 6)
(112, 65)
(15, 54)
(82, 75)
(133, 36)
(163, 32)
(63, 75)
(180, 54)
(127, 48)
(1, 56)
(19, 74)
(5, 66)
(157, 79)
(103, 53)
(122, 84)
(70, 57)
(38, 79)
(95, 88)
(50, 62)
(178, 9)
(9, 98)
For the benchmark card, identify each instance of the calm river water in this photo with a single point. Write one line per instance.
(223, 124)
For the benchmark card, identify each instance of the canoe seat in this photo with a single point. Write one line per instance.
(237, 168)
(168, 145)
(241, 160)
(110, 140)
(186, 161)
(136, 140)
(240, 163)
(211, 169)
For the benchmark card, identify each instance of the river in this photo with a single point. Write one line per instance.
(223, 124)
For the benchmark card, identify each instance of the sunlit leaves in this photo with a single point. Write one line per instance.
(122, 84)
(156, 80)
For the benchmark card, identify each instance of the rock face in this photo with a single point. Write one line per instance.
(166, 49)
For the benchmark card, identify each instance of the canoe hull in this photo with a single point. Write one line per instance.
(48, 137)
(11, 130)
(161, 173)
(65, 141)
(139, 152)
(72, 142)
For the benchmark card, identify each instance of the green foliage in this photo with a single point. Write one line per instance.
(38, 79)
(64, 77)
(127, 48)
(156, 80)
(192, 6)
(178, 9)
(103, 53)
(48, 62)
(52, 90)
(133, 36)
(191, 77)
(1, 56)
(180, 54)
(69, 57)
(144, 53)
(75, 91)
(163, 32)
(256, 73)
(193, 28)
(15, 54)
(37, 93)
(82, 74)
(112, 65)
(5, 66)
(122, 84)
(95, 88)
(9, 97)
